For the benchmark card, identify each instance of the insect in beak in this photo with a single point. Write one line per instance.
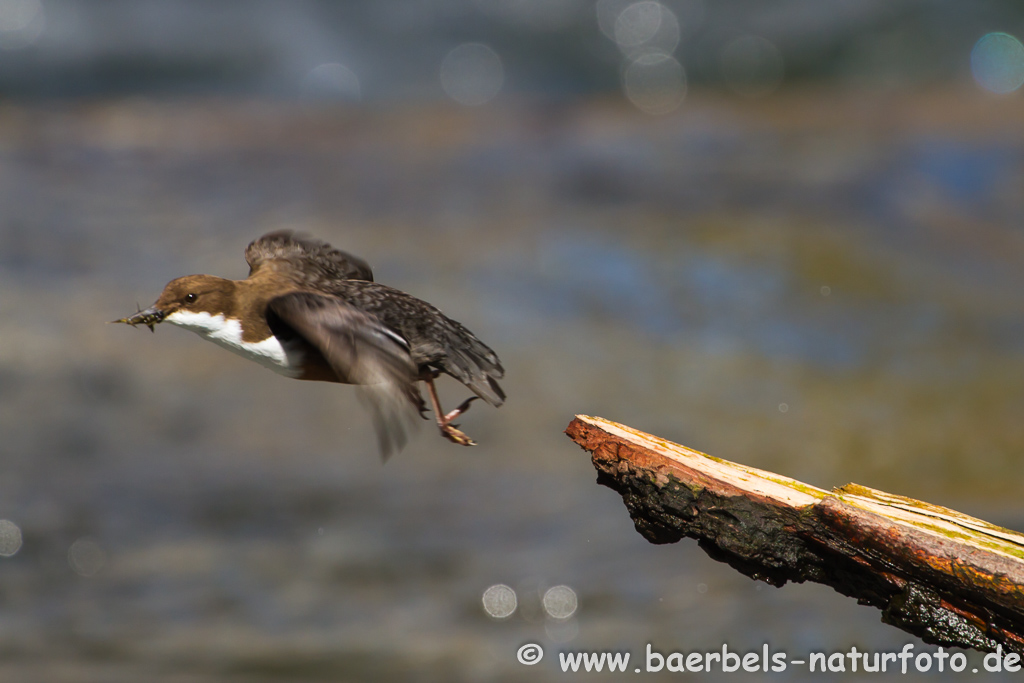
(148, 317)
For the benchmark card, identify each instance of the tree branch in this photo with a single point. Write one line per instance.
(941, 575)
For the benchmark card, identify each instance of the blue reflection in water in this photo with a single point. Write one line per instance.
(965, 173)
(685, 297)
(607, 280)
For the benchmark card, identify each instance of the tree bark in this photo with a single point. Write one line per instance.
(941, 575)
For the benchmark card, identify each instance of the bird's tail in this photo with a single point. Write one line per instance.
(474, 364)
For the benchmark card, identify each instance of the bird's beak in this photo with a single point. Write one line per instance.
(149, 317)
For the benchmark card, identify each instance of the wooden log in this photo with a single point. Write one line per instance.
(941, 575)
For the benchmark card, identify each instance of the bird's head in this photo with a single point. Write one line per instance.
(195, 294)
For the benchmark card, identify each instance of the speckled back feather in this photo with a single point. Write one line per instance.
(309, 259)
(436, 342)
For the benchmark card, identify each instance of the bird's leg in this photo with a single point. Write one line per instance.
(448, 430)
(463, 407)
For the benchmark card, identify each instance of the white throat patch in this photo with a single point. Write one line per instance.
(227, 332)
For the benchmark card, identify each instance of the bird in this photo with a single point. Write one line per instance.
(312, 312)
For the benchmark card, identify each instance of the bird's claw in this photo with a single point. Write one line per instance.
(453, 434)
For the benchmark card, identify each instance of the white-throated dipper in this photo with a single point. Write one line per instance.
(310, 311)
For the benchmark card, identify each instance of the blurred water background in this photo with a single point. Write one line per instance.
(787, 233)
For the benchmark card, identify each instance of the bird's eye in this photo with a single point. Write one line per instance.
(189, 298)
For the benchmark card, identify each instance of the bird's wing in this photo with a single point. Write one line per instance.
(361, 350)
(307, 258)
(436, 340)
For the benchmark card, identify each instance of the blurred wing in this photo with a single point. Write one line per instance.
(360, 350)
(320, 261)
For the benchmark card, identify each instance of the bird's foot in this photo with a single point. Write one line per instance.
(450, 431)
(453, 434)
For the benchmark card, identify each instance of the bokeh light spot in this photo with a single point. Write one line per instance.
(21, 23)
(560, 602)
(10, 538)
(997, 63)
(472, 74)
(499, 601)
(331, 81)
(638, 23)
(655, 83)
(608, 12)
(646, 27)
(751, 66)
(86, 557)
